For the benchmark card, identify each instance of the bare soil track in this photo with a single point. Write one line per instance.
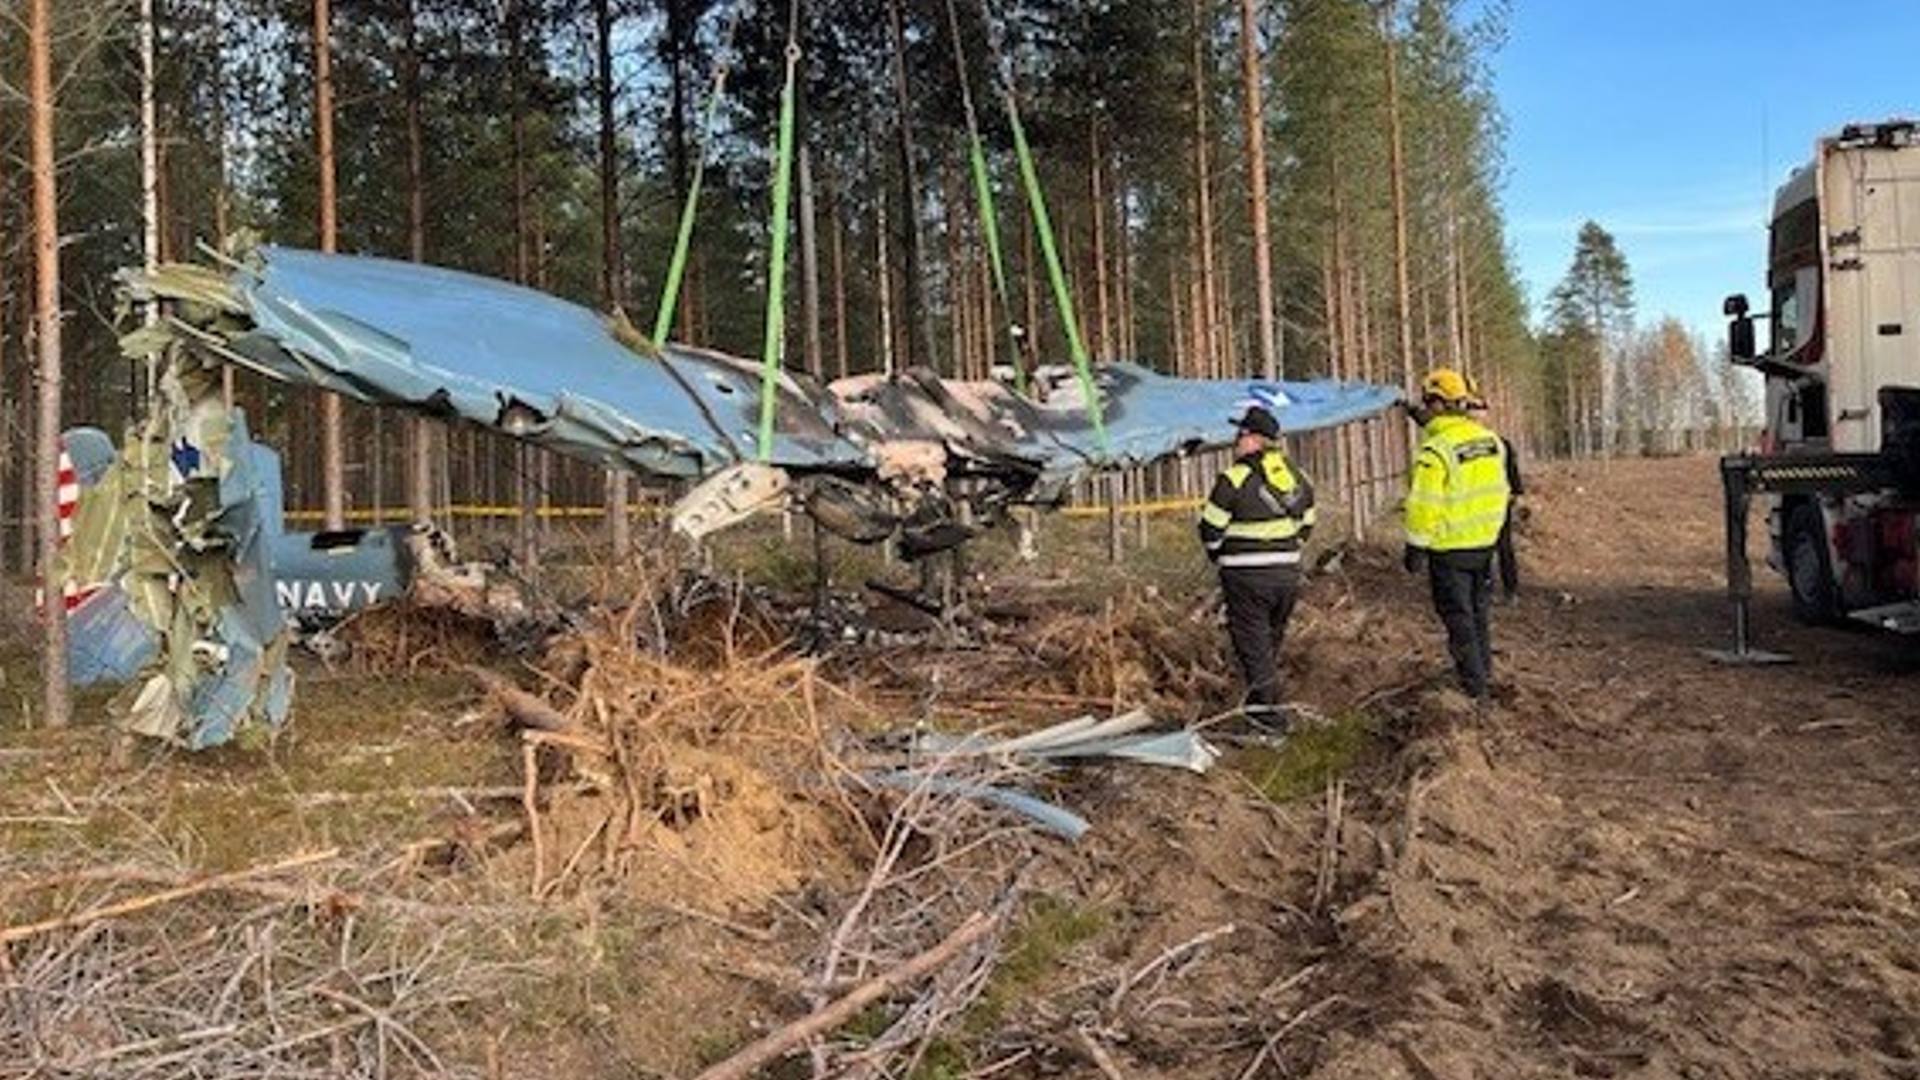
(1643, 864)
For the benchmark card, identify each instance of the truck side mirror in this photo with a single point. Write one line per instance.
(1740, 329)
(1740, 338)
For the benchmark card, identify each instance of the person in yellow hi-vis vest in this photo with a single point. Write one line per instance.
(1456, 507)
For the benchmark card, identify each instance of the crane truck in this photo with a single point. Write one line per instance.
(1838, 463)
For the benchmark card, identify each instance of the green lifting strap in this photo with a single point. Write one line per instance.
(983, 198)
(990, 228)
(1062, 297)
(771, 339)
(677, 266)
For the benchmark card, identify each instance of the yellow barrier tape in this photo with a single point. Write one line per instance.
(1156, 506)
(398, 515)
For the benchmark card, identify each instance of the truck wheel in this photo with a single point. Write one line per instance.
(1809, 569)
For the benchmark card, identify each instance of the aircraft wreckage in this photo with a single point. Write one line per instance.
(178, 539)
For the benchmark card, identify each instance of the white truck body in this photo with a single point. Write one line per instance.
(1870, 303)
(1844, 304)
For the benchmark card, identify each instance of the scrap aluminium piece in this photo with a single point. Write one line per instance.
(174, 529)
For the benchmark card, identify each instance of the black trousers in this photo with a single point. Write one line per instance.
(1509, 561)
(1462, 584)
(1259, 603)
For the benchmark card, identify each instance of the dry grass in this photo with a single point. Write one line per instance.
(343, 967)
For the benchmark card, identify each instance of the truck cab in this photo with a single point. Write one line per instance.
(1842, 371)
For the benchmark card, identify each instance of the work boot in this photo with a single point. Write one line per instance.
(1272, 721)
(1254, 724)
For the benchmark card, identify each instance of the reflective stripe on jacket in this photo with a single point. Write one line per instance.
(1458, 498)
(1259, 514)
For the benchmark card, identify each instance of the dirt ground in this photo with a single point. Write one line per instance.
(1637, 864)
(1648, 865)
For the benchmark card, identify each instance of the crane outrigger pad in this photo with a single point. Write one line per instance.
(1742, 477)
(1747, 657)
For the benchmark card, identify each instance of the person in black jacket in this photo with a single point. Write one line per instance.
(1509, 561)
(1253, 528)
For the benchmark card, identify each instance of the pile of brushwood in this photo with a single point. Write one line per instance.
(675, 757)
(675, 750)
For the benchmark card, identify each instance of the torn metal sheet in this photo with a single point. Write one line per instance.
(729, 497)
(987, 427)
(170, 544)
(529, 365)
(1055, 819)
(1084, 738)
(318, 578)
(520, 361)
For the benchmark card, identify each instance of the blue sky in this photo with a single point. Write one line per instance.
(1670, 122)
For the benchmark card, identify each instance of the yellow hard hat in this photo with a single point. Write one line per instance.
(1475, 397)
(1448, 385)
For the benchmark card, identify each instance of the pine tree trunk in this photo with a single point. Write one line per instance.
(1030, 271)
(333, 450)
(10, 454)
(1208, 351)
(149, 154)
(1451, 232)
(1200, 364)
(913, 300)
(1468, 362)
(1103, 319)
(992, 319)
(1227, 337)
(516, 80)
(222, 195)
(618, 527)
(1396, 164)
(420, 452)
(1604, 379)
(678, 144)
(883, 283)
(1426, 319)
(1177, 342)
(46, 246)
(523, 247)
(1123, 275)
(1253, 103)
(809, 267)
(956, 277)
(1333, 300)
(838, 235)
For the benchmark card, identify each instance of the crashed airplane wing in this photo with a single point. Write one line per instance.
(511, 358)
(518, 361)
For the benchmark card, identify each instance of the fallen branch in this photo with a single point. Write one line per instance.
(236, 878)
(754, 933)
(523, 709)
(566, 740)
(1099, 1056)
(529, 801)
(499, 793)
(1327, 877)
(775, 1044)
(1286, 1029)
(1165, 958)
